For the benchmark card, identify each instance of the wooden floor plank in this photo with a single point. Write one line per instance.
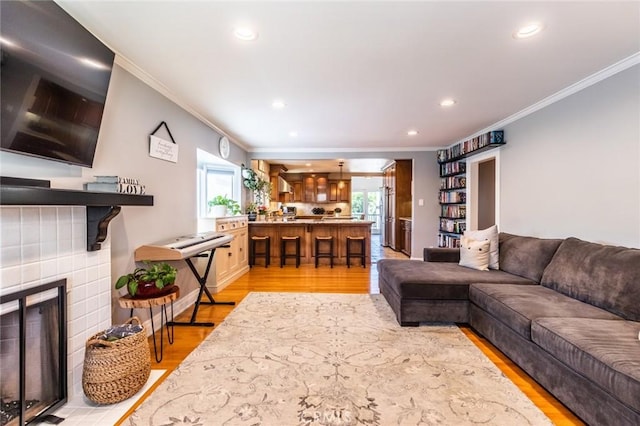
(340, 279)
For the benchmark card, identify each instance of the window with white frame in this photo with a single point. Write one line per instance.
(216, 177)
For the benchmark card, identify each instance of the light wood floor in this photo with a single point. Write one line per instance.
(340, 279)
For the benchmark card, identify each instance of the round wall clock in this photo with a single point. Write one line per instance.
(224, 147)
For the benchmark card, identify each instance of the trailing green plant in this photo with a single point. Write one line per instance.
(161, 273)
(222, 200)
(261, 187)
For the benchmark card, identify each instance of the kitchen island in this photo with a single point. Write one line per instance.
(308, 230)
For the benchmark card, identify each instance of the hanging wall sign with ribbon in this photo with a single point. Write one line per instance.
(163, 149)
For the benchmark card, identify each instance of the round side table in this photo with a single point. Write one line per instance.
(133, 303)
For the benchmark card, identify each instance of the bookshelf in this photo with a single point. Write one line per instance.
(452, 195)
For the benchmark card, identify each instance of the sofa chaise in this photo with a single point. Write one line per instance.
(566, 311)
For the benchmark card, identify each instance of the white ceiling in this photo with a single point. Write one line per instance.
(357, 75)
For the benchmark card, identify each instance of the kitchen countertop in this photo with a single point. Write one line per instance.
(325, 217)
(327, 221)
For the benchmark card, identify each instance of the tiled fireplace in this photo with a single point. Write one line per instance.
(43, 244)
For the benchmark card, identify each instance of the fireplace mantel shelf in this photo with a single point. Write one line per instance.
(101, 206)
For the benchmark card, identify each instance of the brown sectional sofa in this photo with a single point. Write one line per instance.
(566, 311)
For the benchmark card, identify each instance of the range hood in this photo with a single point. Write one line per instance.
(283, 185)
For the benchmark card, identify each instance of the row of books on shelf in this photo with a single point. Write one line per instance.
(457, 226)
(118, 184)
(453, 197)
(450, 241)
(453, 168)
(462, 148)
(453, 182)
(458, 212)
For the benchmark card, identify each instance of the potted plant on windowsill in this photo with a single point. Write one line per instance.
(221, 205)
(155, 280)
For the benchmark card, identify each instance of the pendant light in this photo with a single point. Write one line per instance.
(341, 182)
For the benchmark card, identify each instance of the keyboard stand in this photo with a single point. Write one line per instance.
(202, 280)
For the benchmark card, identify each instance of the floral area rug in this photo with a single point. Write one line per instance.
(334, 359)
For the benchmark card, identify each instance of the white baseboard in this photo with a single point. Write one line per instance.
(222, 284)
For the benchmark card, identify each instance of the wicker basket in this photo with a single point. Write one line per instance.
(115, 371)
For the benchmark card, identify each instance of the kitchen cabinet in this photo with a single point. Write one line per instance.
(322, 189)
(333, 191)
(233, 261)
(344, 194)
(297, 191)
(307, 230)
(316, 188)
(338, 194)
(397, 201)
(405, 224)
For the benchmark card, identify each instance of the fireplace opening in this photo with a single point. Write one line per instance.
(33, 353)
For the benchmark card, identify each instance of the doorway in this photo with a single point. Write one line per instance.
(483, 193)
(366, 200)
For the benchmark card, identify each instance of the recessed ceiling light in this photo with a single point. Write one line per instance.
(447, 102)
(278, 104)
(293, 134)
(245, 34)
(528, 30)
(412, 132)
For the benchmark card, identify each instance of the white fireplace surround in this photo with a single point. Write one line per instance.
(43, 244)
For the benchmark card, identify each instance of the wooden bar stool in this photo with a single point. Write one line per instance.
(329, 254)
(362, 254)
(283, 249)
(133, 303)
(266, 252)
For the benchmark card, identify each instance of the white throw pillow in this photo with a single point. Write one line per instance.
(474, 254)
(490, 234)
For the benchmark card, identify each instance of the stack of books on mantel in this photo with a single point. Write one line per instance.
(119, 184)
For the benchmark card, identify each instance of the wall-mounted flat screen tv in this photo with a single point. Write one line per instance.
(55, 75)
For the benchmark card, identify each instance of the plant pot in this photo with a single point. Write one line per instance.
(219, 211)
(148, 290)
(252, 217)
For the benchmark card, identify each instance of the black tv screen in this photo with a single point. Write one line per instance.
(55, 75)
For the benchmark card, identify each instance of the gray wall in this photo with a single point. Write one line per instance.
(573, 168)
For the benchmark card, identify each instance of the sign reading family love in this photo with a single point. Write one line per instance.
(163, 149)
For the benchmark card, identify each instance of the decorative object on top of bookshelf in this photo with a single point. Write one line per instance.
(453, 182)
